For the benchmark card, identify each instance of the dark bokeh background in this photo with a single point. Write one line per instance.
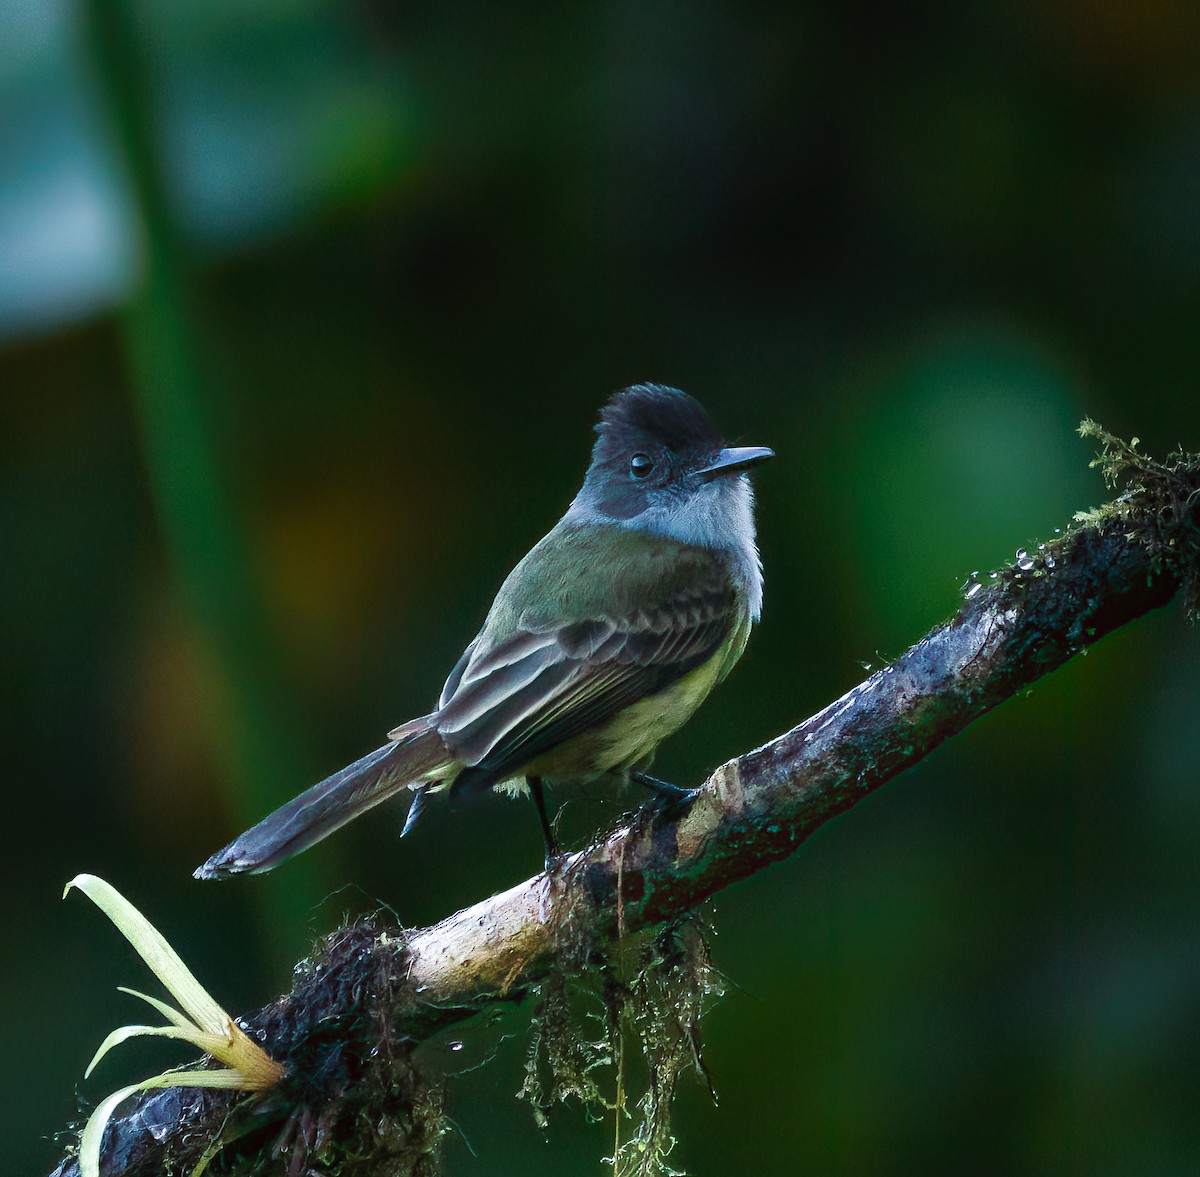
(305, 312)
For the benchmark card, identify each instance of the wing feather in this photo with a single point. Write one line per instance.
(542, 686)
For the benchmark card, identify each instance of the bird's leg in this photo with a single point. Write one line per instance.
(666, 795)
(539, 799)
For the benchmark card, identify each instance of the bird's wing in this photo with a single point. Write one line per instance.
(540, 687)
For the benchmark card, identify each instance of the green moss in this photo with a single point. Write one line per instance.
(628, 1018)
(1160, 505)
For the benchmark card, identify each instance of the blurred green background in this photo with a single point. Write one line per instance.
(306, 310)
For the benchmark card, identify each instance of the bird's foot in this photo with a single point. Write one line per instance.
(667, 797)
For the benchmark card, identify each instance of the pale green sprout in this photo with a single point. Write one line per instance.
(202, 1022)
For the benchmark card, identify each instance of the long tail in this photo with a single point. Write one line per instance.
(305, 820)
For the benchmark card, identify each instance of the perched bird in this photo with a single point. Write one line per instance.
(603, 640)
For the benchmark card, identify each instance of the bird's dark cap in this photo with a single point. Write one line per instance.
(668, 415)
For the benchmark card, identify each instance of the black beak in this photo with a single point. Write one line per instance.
(734, 461)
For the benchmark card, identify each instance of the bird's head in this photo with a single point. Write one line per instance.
(660, 465)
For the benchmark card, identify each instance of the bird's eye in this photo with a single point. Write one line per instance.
(640, 465)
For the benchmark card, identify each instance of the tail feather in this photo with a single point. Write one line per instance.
(329, 805)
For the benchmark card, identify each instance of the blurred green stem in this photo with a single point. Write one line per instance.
(254, 734)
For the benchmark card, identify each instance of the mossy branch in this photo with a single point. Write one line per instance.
(345, 1033)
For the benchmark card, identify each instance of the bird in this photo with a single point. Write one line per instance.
(602, 641)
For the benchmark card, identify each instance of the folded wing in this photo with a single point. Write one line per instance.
(510, 703)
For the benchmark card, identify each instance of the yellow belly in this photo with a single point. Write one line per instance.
(631, 737)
